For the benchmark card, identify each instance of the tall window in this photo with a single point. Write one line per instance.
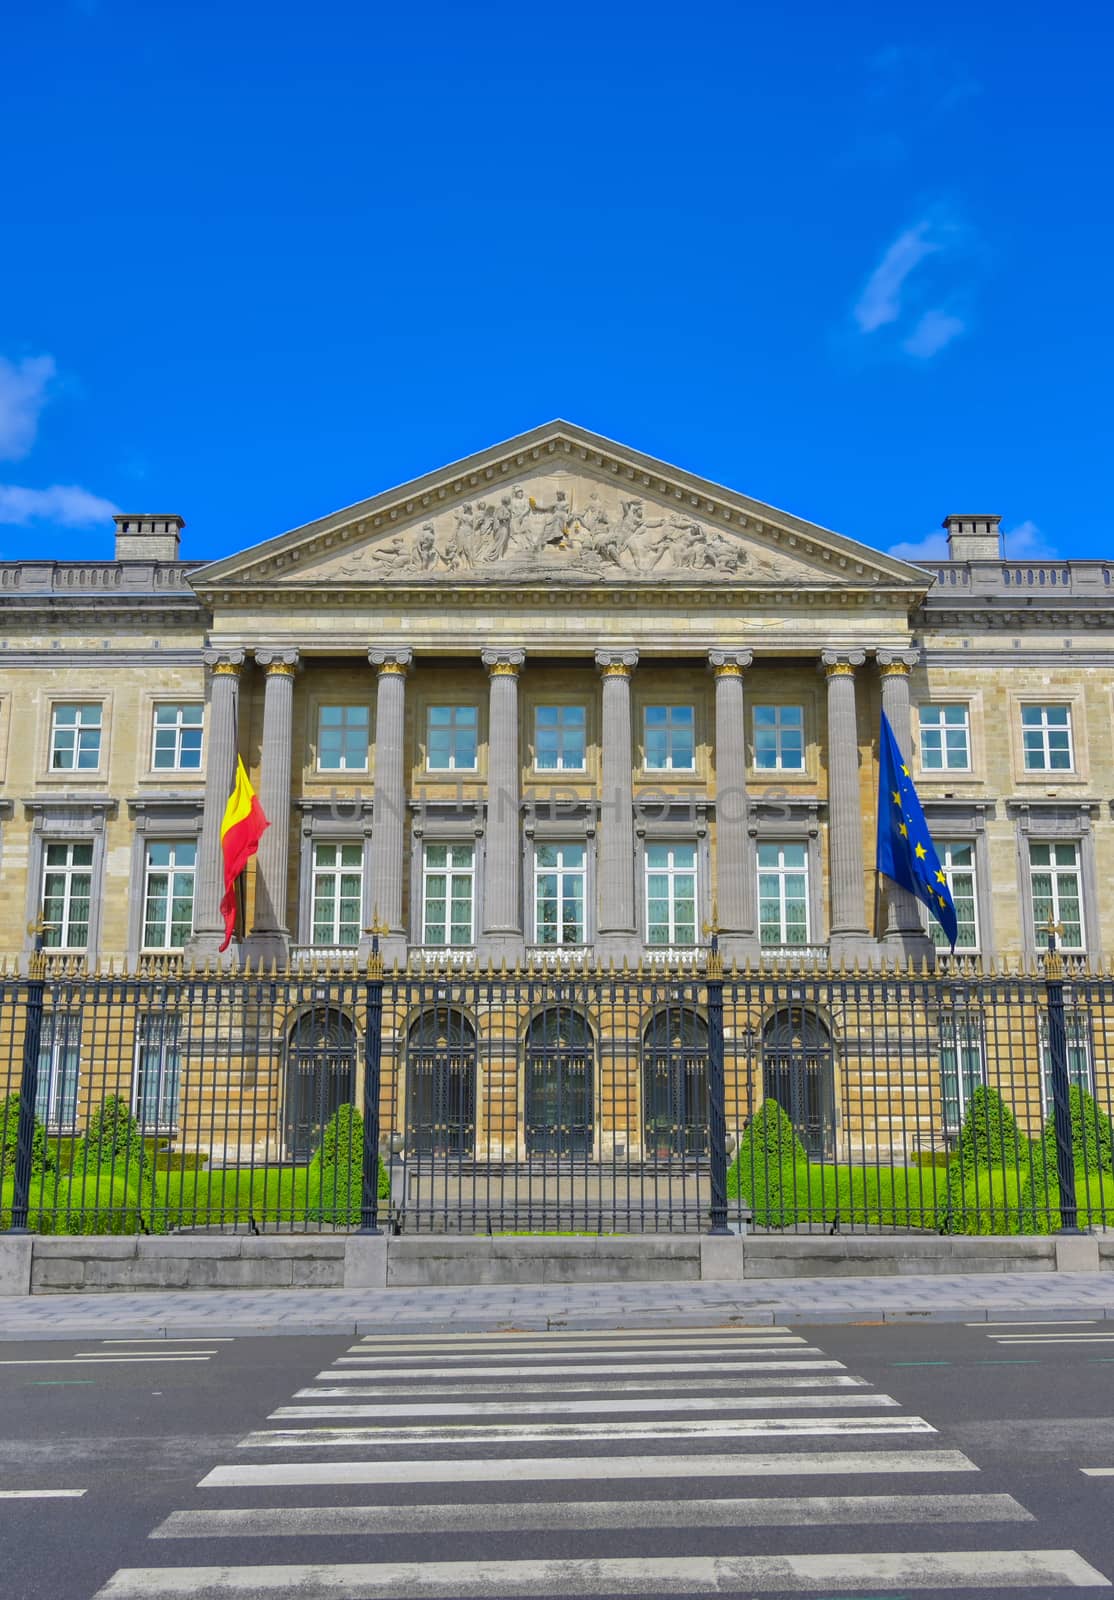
(158, 1070)
(671, 894)
(779, 738)
(1077, 1037)
(177, 738)
(1046, 738)
(670, 738)
(559, 874)
(957, 862)
(452, 732)
(962, 1064)
(338, 893)
(448, 896)
(783, 894)
(945, 738)
(59, 1069)
(1057, 892)
(67, 895)
(75, 738)
(559, 738)
(342, 738)
(168, 895)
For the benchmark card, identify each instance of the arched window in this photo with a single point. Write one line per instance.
(320, 1076)
(560, 1068)
(798, 1071)
(675, 1083)
(441, 1084)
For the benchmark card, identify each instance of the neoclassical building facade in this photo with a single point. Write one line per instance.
(559, 699)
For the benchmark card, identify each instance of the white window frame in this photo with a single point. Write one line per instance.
(672, 872)
(562, 872)
(454, 725)
(1045, 729)
(939, 730)
(178, 728)
(962, 1065)
(59, 1083)
(1081, 1063)
(170, 871)
(779, 872)
(678, 717)
(1055, 871)
(953, 870)
(562, 710)
(319, 873)
(451, 871)
(345, 707)
(166, 1043)
(68, 870)
(781, 726)
(76, 728)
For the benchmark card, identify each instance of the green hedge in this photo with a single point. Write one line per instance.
(1093, 1148)
(96, 1203)
(336, 1173)
(9, 1139)
(989, 1140)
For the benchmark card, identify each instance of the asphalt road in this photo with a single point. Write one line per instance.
(832, 1461)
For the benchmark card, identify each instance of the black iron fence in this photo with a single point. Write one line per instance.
(580, 1100)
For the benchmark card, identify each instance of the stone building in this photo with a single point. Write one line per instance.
(556, 700)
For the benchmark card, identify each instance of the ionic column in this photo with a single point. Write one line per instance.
(220, 768)
(389, 813)
(502, 924)
(903, 932)
(848, 933)
(735, 878)
(270, 935)
(617, 925)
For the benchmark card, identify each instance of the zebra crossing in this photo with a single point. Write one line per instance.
(440, 1467)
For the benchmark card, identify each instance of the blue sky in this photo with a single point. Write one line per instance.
(263, 260)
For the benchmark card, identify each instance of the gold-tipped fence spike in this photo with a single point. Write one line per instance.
(734, 967)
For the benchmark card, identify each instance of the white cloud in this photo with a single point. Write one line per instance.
(1027, 543)
(933, 547)
(66, 504)
(880, 301)
(23, 388)
(934, 330)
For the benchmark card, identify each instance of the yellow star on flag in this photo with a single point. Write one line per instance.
(940, 877)
(904, 770)
(897, 797)
(903, 830)
(920, 852)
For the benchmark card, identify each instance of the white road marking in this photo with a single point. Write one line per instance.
(452, 1433)
(1054, 1338)
(584, 1515)
(576, 1385)
(577, 1336)
(711, 1574)
(1037, 1322)
(662, 1355)
(112, 1355)
(581, 1408)
(41, 1494)
(218, 1338)
(654, 1368)
(68, 1361)
(1098, 1472)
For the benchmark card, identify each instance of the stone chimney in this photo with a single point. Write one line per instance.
(148, 537)
(973, 538)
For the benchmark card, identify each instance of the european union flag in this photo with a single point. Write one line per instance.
(905, 850)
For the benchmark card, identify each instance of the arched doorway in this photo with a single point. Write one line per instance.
(441, 1084)
(675, 1084)
(320, 1076)
(798, 1071)
(560, 1066)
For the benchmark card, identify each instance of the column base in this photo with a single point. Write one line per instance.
(851, 945)
(908, 944)
(205, 946)
(393, 947)
(618, 947)
(740, 947)
(268, 945)
(494, 948)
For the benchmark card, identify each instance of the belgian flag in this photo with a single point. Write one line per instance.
(240, 833)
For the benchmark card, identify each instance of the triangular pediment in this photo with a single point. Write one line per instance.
(556, 507)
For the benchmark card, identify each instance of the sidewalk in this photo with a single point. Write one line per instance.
(345, 1312)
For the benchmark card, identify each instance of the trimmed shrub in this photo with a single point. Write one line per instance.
(770, 1170)
(988, 1140)
(9, 1140)
(113, 1140)
(336, 1173)
(1093, 1150)
(95, 1203)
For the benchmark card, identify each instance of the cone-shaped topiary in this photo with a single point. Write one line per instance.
(989, 1138)
(112, 1140)
(9, 1140)
(770, 1170)
(336, 1173)
(1092, 1143)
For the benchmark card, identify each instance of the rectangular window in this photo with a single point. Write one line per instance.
(783, 894)
(962, 1065)
(957, 862)
(59, 1068)
(559, 738)
(779, 738)
(1046, 738)
(1057, 893)
(75, 738)
(67, 895)
(945, 738)
(670, 738)
(177, 738)
(158, 1070)
(338, 893)
(342, 738)
(1077, 1037)
(559, 875)
(671, 894)
(448, 872)
(452, 733)
(168, 895)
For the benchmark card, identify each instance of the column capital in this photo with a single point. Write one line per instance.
(841, 663)
(502, 663)
(224, 663)
(729, 663)
(896, 663)
(281, 663)
(391, 662)
(616, 663)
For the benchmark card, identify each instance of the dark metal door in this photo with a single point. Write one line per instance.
(320, 1077)
(441, 1086)
(799, 1073)
(675, 1086)
(559, 1089)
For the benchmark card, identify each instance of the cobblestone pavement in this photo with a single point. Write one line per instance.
(938, 1297)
